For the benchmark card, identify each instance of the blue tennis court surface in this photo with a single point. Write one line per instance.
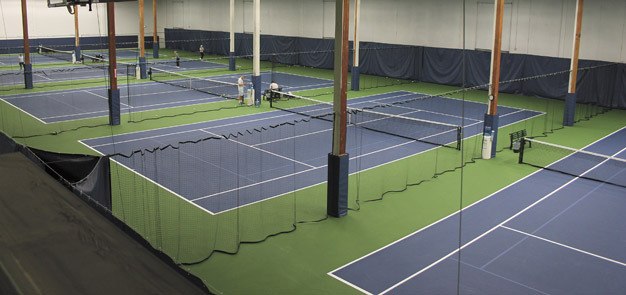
(12, 60)
(95, 70)
(71, 73)
(549, 233)
(59, 106)
(252, 168)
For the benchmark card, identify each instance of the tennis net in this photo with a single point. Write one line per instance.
(66, 55)
(377, 118)
(574, 162)
(98, 61)
(209, 86)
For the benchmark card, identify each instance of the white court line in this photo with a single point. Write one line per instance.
(499, 225)
(293, 137)
(74, 115)
(348, 283)
(456, 212)
(300, 75)
(48, 93)
(163, 92)
(184, 131)
(261, 150)
(307, 87)
(105, 98)
(198, 101)
(565, 246)
(500, 276)
(42, 76)
(19, 109)
(216, 166)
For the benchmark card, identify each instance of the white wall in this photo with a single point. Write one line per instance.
(541, 27)
(57, 22)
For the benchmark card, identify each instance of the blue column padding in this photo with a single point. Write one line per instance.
(143, 72)
(114, 107)
(231, 61)
(155, 49)
(356, 77)
(256, 84)
(491, 127)
(77, 53)
(28, 76)
(337, 189)
(570, 109)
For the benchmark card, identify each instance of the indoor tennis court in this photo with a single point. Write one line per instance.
(312, 147)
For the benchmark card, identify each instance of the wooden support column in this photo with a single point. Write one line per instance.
(338, 160)
(155, 35)
(256, 53)
(571, 97)
(142, 31)
(114, 92)
(143, 74)
(490, 131)
(496, 56)
(28, 67)
(355, 62)
(231, 63)
(77, 53)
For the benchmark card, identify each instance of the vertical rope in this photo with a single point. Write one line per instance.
(463, 85)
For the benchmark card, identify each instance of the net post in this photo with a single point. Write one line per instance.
(522, 145)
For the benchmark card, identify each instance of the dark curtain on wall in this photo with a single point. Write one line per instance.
(13, 46)
(552, 86)
(401, 62)
(442, 66)
(316, 53)
(604, 85)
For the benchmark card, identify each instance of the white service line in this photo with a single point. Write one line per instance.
(261, 150)
(565, 246)
(105, 98)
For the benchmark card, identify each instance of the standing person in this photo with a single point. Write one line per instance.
(241, 88)
(201, 52)
(20, 59)
(177, 59)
